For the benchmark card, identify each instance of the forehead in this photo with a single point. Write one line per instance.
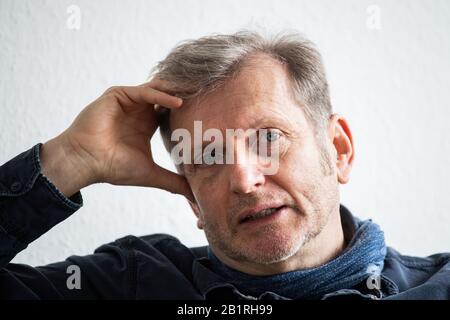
(261, 90)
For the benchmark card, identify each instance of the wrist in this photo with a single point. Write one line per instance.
(61, 164)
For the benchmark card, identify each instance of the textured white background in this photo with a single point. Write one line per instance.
(392, 84)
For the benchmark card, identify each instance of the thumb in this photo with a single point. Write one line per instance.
(172, 182)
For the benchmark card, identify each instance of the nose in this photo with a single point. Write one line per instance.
(245, 177)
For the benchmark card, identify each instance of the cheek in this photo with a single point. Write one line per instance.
(210, 200)
(299, 164)
(300, 175)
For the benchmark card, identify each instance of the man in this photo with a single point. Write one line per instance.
(271, 235)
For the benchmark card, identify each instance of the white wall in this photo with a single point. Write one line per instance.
(392, 84)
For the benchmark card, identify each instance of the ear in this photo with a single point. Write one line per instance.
(341, 137)
(196, 210)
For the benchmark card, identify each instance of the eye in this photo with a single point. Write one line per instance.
(209, 157)
(269, 135)
(270, 142)
(272, 135)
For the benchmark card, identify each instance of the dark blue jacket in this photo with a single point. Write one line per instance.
(155, 266)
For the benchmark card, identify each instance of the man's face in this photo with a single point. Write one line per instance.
(258, 98)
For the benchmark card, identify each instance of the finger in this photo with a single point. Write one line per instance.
(161, 85)
(148, 95)
(172, 182)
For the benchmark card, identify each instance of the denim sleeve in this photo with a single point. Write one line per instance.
(30, 205)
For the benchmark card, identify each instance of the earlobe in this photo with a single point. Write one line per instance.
(342, 139)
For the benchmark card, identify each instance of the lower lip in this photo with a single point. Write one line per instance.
(267, 219)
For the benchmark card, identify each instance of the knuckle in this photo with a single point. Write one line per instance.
(113, 90)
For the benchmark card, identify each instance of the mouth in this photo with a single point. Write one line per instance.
(265, 215)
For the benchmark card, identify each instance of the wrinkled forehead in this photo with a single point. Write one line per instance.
(259, 91)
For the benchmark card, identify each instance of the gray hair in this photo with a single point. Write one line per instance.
(198, 67)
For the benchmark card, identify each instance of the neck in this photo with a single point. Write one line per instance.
(327, 245)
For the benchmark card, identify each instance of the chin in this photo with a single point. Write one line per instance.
(273, 248)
